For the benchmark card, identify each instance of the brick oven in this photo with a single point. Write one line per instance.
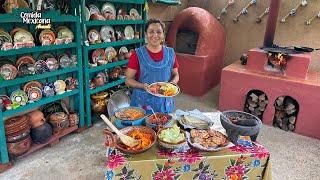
(285, 96)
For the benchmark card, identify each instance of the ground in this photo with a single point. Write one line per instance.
(81, 156)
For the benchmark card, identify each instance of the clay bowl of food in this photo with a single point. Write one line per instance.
(171, 137)
(145, 135)
(158, 120)
(129, 116)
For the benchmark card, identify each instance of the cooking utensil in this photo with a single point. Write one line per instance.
(127, 140)
(305, 49)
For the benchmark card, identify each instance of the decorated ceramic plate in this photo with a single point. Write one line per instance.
(25, 69)
(163, 89)
(25, 60)
(94, 36)
(111, 53)
(23, 36)
(48, 90)
(34, 94)
(4, 38)
(8, 71)
(98, 55)
(108, 8)
(133, 12)
(65, 61)
(106, 33)
(64, 32)
(41, 67)
(123, 50)
(47, 37)
(31, 84)
(19, 97)
(93, 9)
(45, 56)
(129, 32)
(59, 86)
(52, 64)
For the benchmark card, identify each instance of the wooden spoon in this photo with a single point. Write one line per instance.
(127, 140)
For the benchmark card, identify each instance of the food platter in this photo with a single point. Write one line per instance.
(163, 89)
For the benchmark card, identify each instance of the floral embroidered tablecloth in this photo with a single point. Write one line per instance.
(234, 163)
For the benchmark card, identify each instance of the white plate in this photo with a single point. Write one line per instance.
(133, 12)
(108, 8)
(110, 53)
(123, 50)
(93, 9)
(106, 33)
(129, 32)
(177, 89)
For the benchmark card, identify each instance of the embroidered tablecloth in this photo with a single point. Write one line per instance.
(234, 163)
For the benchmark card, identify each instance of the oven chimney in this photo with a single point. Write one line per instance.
(272, 23)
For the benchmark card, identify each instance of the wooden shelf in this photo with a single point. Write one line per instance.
(53, 138)
(107, 86)
(113, 22)
(36, 49)
(108, 66)
(21, 80)
(113, 44)
(41, 102)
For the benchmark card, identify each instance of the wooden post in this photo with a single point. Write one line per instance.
(272, 23)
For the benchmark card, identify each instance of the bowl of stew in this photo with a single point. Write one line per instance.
(158, 120)
(129, 116)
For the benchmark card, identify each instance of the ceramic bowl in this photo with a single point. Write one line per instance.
(114, 140)
(158, 120)
(168, 145)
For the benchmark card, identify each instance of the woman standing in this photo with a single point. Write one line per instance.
(151, 63)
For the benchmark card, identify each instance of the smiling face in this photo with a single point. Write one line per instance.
(155, 34)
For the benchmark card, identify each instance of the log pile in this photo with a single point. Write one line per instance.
(256, 103)
(286, 111)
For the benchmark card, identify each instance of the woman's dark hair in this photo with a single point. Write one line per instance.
(153, 21)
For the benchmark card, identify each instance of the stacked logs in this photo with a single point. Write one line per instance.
(286, 111)
(256, 103)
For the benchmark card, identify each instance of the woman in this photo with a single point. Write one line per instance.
(152, 63)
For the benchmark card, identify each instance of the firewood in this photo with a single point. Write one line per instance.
(254, 97)
(284, 127)
(289, 112)
(262, 97)
(261, 108)
(292, 119)
(279, 114)
(291, 127)
(279, 100)
(251, 109)
(290, 106)
(263, 103)
(251, 103)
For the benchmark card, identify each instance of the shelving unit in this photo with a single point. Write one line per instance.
(74, 97)
(90, 72)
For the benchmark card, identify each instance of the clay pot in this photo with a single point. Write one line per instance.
(99, 102)
(59, 121)
(16, 125)
(16, 137)
(36, 118)
(99, 81)
(41, 134)
(73, 119)
(19, 148)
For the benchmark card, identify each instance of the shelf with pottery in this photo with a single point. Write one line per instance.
(109, 26)
(21, 80)
(74, 96)
(43, 101)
